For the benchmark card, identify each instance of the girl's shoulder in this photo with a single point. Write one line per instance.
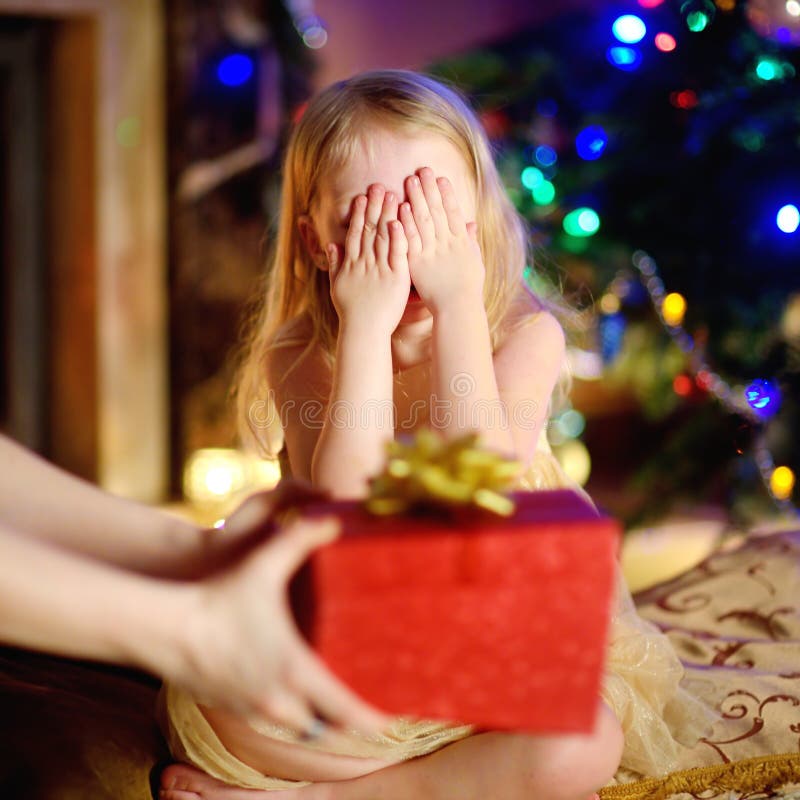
(294, 356)
(526, 309)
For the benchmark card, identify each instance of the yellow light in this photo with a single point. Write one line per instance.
(609, 303)
(793, 8)
(673, 309)
(213, 476)
(781, 482)
(575, 460)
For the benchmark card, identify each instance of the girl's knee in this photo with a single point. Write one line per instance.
(572, 767)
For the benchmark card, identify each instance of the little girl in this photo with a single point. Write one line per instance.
(396, 300)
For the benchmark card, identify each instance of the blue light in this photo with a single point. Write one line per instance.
(625, 58)
(788, 219)
(629, 29)
(591, 142)
(545, 155)
(763, 396)
(235, 69)
(547, 107)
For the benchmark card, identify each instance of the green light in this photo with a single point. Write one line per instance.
(768, 69)
(531, 177)
(582, 222)
(697, 21)
(543, 193)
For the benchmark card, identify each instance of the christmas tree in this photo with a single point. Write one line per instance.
(655, 151)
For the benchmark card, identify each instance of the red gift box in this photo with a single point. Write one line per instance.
(472, 618)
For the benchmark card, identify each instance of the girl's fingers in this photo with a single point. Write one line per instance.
(450, 206)
(388, 213)
(398, 246)
(332, 254)
(433, 198)
(352, 242)
(406, 217)
(372, 216)
(295, 543)
(419, 208)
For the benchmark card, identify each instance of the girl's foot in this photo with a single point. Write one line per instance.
(182, 782)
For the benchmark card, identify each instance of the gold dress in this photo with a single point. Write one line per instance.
(642, 686)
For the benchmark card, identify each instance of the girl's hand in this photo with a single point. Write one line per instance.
(370, 281)
(241, 650)
(443, 254)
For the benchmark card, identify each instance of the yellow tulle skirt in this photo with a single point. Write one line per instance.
(642, 686)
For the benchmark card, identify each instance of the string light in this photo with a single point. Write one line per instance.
(665, 43)
(788, 219)
(625, 58)
(591, 142)
(629, 29)
(779, 481)
(582, 222)
(673, 309)
(235, 69)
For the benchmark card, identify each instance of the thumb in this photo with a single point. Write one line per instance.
(472, 231)
(297, 541)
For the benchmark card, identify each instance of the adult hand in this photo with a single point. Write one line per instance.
(242, 650)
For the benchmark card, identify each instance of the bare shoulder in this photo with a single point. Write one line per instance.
(296, 365)
(539, 330)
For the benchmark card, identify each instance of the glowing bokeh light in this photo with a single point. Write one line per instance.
(665, 43)
(624, 58)
(763, 396)
(682, 385)
(793, 8)
(629, 29)
(591, 142)
(673, 309)
(531, 177)
(235, 69)
(697, 21)
(543, 193)
(788, 219)
(545, 155)
(582, 222)
(781, 482)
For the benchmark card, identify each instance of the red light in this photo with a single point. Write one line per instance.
(682, 385)
(703, 380)
(665, 43)
(685, 99)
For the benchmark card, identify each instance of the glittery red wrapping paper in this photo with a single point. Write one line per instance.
(479, 619)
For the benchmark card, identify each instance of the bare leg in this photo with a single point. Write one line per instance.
(507, 766)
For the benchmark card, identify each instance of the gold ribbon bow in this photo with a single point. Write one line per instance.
(430, 471)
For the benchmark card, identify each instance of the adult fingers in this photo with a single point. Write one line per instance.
(352, 242)
(298, 540)
(452, 210)
(334, 701)
(419, 208)
(388, 213)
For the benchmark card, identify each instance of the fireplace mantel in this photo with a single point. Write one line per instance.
(130, 238)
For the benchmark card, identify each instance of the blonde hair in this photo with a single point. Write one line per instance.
(327, 135)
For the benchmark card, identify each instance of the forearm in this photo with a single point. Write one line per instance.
(55, 601)
(465, 390)
(359, 420)
(48, 503)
